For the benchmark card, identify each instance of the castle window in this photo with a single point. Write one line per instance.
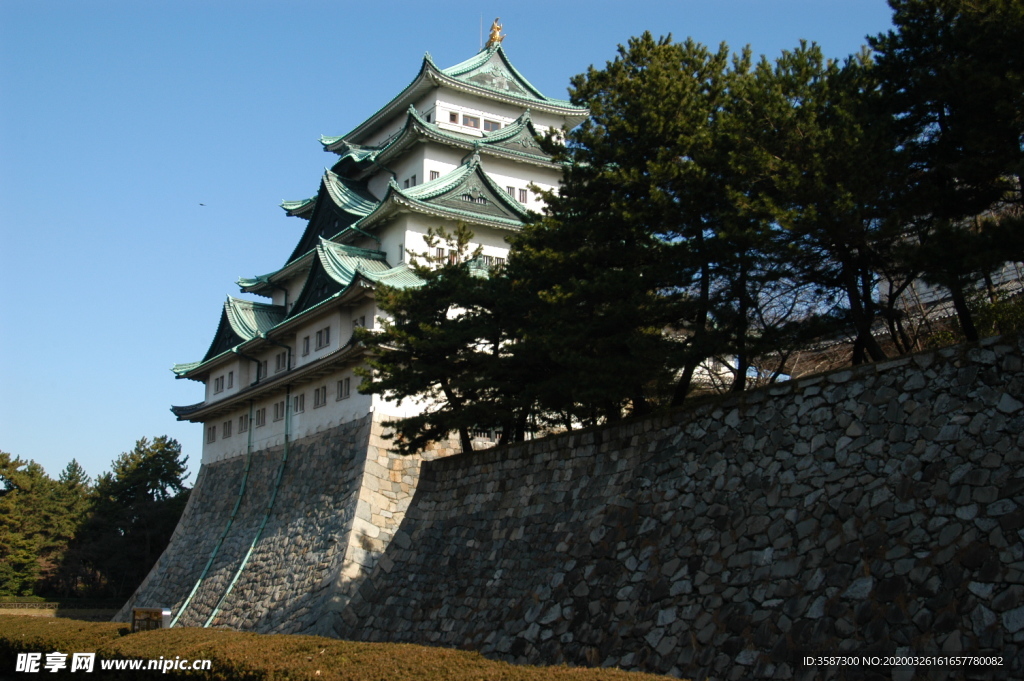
(218, 384)
(231, 379)
(343, 388)
(405, 185)
(511, 191)
(261, 417)
(491, 126)
(361, 321)
(323, 338)
(280, 361)
(434, 174)
(453, 117)
(227, 429)
(300, 403)
(305, 346)
(261, 370)
(320, 396)
(412, 180)
(279, 410)
(471, 121)
(211, 433)
(243, 423)
(522, 196)
(401, 252)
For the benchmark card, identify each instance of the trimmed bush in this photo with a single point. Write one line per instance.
(238, 655)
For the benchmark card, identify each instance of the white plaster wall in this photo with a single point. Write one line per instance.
(330, 320)
(460, 102)
(311, 420)
(222, 371)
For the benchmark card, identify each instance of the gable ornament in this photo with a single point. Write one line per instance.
(495, 38)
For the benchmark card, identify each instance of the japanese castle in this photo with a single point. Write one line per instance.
(456, 145)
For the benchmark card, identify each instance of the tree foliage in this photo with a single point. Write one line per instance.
(952, 77)
(717, 213)
(135, 509)
(441, 344)
(68, 537)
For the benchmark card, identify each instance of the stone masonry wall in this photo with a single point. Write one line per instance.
(875, 509)
(289, 575)
(341, 496)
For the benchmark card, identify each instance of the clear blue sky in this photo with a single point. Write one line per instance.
(119, 118)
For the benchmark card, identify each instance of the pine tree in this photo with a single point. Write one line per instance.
(27, 513)
(440, 344)
(952, 74)
(136, 508)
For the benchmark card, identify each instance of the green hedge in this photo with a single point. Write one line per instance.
(237, 655)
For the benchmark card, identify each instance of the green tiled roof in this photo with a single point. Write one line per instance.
(348, 196)
(182, 369)
(240, 321)
(466, 193)
(249, 318)
(489, 74)
(345, 262)
(516, 140)
(299, 208)
(491, 70)
(338, 204)
(336, 269)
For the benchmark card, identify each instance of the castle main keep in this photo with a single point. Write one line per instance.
(876, 509)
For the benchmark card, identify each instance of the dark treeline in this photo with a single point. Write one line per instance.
(720, 211)
(72, 538)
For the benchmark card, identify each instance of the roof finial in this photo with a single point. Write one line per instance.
(495, 39)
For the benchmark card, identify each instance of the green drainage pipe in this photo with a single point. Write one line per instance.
(227, 528)
(266, 515)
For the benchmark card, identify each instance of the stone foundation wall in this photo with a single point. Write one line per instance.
(310, 538)
(875, 509)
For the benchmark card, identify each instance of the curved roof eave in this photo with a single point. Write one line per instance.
(430, 76)
(263, 282)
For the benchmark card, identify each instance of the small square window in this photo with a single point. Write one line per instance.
(434, 174)
(227, 429)
(405, 185)
(211, 433)
(491, 126)
(522, 196)
(344, 386)
(279, 410)
(453, 117)
(243, 423)
(218, 384)
(511, 191)
(300, 403)
(261, 417)
(471, 121)
(320, 396)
